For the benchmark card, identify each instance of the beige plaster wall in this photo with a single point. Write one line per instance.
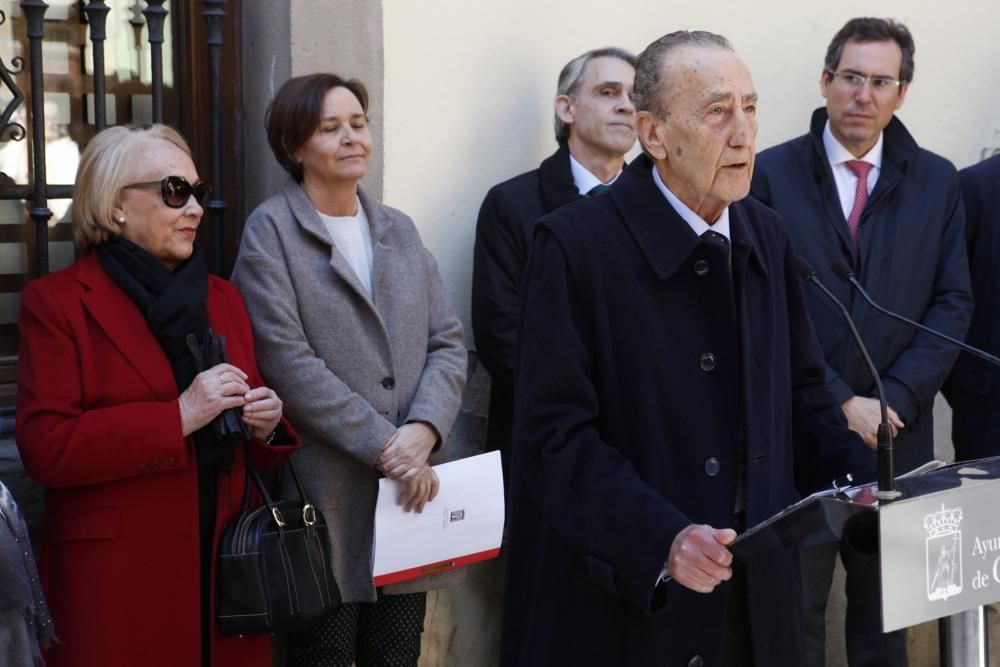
(344, 37)
(469, 83)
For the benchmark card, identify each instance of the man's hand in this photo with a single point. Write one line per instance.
(699, 559)
(864, 415)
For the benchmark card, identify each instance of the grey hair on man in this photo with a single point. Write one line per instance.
(572, 75)
(649, 65)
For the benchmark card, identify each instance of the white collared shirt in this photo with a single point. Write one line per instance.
(583, 179)
(845, 179)
(697, 225)
(352, 237)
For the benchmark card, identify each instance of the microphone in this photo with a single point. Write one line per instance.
(843, 271)
(886, 481)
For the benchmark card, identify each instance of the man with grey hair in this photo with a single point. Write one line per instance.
(595, 127)
(670, 392)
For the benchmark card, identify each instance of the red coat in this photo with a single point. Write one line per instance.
(98, 424)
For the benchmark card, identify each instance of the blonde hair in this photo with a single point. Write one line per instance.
(109, 163)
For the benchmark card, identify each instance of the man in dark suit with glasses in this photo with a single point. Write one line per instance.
(858, 188)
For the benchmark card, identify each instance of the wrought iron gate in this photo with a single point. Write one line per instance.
(37, 119)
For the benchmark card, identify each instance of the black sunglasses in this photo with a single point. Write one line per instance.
(176, 191)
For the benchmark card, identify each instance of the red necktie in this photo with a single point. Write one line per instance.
(860, 169)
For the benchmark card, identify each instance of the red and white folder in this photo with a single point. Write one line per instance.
(463, 525)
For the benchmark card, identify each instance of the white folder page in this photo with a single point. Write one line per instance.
(466, 517)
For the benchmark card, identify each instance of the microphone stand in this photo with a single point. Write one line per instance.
(964, 634)
(842, 271)
(884, 448)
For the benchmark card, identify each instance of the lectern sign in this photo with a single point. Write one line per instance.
(944, 553)
(940, 548)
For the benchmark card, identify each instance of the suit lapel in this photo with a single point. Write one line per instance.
(121, 320)
(664, 238)
(382, 250)
(888, 178)
(306, 215)
(746, 246)
(555, 179)
(827, 188)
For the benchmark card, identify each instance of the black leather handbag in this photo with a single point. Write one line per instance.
(273, 572)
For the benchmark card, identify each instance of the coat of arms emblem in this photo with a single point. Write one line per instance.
(944, 553)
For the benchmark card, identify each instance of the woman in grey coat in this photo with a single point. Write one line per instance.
(354, 330)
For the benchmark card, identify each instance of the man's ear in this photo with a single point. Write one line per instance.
(825, 79)
(650, 130)
(564, 109)
(903, 87)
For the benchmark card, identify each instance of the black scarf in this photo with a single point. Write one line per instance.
(175, 308)
(174, 304)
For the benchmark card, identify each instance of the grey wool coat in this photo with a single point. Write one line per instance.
(349, 368)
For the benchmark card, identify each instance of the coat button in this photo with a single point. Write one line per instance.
(155, 465)
(142, 467)
(389, 383)
(701, 267)
(707, 362)
(696, 661)
(169, 460)
(712, 466)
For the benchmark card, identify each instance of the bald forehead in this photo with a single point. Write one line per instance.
(711, 70)
(689, 60)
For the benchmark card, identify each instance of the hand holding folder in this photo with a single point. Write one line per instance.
(461, 526)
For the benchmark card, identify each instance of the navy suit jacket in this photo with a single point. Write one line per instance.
(973, 388)
(912, 260)
(641, 368)
(503, 237)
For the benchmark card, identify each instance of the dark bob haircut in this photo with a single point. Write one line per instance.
(294, 114)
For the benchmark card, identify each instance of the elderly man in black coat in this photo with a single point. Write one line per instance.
(595, 128)
(670, 391)
(973, 388)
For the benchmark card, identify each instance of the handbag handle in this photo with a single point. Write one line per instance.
(308, 510)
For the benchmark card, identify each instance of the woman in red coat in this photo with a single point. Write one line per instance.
(119, 419)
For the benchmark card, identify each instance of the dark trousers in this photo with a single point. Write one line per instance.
(385, 633)
(867, 645)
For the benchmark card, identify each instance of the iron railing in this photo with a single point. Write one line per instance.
(39, 191)
(23, 80)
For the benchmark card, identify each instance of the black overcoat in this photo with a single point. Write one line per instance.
(640, 367)
(973, 388)
(503, 238)
(912, 261)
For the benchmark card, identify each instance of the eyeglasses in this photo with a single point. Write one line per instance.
(853, 81)
(176, 191)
